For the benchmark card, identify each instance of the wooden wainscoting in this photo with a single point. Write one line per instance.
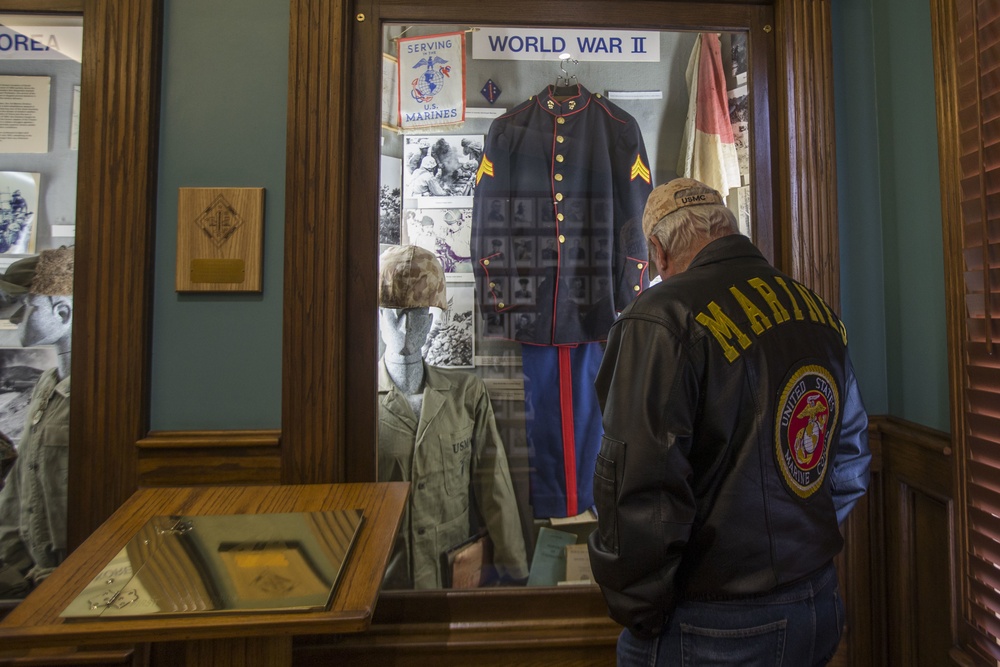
(896, 568)
(918, 505)
(194, 458)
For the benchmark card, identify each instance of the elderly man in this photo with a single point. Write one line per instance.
(33, 501)
(735, 443)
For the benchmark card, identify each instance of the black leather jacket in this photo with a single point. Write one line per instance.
(735, 438)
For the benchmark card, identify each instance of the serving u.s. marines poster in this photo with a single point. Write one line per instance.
(431, 80)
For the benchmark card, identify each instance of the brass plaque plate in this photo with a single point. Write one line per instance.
(218, 270)
(218, 564)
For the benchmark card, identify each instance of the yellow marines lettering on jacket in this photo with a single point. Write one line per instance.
(794, 302)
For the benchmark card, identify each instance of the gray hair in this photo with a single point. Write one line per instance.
(679, 230)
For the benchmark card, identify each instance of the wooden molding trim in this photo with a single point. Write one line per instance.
(925, 437)
(807, 146)
(119, 129)
(185, 458)
(202, 439)
(314, 396)
(944, 40)
(58, 6)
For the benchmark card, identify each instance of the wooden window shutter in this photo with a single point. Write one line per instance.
(977, 25)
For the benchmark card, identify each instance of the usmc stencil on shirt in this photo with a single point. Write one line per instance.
(808, 410)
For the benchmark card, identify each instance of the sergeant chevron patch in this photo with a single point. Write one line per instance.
(485, 169)
(640, 170)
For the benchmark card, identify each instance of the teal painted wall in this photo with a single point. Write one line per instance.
(862, 283)
(216, 359)
(916, 350)
(890, 206)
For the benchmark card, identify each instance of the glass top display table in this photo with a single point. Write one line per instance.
(219, 599)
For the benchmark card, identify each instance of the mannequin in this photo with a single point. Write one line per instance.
(437, 431)
(404, 332)
(33, 501)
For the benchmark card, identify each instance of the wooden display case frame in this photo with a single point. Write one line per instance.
(328, 416)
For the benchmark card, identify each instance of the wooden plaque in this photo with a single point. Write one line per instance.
(220, 234)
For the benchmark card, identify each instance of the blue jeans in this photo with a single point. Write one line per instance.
(796, 626)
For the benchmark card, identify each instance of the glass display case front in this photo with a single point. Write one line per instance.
(515, 166)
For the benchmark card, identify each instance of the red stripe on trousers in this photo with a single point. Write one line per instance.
(568, 435)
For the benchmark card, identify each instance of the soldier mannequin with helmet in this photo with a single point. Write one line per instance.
(437, 431)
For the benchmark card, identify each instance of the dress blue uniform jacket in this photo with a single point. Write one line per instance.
(565, 182)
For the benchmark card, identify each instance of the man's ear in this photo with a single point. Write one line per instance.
(658, 255)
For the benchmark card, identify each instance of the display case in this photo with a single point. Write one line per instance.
(791, 206)
(330, 338)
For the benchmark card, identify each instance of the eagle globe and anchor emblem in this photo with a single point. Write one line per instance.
(431, 81)
(808, 410)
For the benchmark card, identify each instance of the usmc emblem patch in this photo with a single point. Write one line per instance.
(808, 409)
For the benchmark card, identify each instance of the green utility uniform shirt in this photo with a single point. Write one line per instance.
(453, 450)
(33, 501)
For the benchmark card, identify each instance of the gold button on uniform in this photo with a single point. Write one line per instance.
(559, 158)
(561, 120)
(559, 196)
(636, 288)
(500, 305)
(486, 262)
(558, 177)
(639, 265)
(493, 284)
(562, 239)
(560, 138)
(559, 217)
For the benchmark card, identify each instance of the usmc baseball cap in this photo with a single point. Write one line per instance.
(410, 277)
(678, 193)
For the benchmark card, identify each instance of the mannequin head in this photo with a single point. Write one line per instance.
(45, 285)
(404, 331)
(47, 320)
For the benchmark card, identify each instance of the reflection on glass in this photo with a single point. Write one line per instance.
(528, 188)
(39, 125)
(181, 565)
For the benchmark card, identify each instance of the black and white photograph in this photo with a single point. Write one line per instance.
(18, 211)
(524, 291)
(600, 211)
(446, 232)
(549, 253)
(524, 250)
(576, 251)
(739, 118)
(451, 343)
(499, 295)
(390, 200)
(524, 325)
(498, 252)
(575, 212)
(496, 212)
(495, 325)
(578, 289)
(546, 213)
(602, 249)
(523, 212)
(441, 165)
(601, 288)
(739, 56)
(20, 368)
